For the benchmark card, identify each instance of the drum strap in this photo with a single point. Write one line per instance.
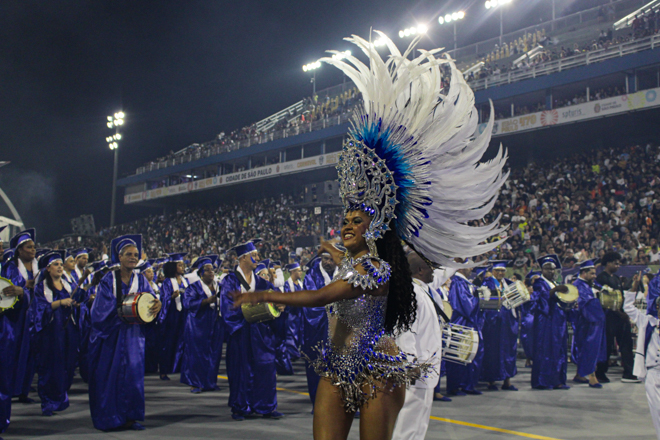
(438, 310)
(241, 280)
(120, 296)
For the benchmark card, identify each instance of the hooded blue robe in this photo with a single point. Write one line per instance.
(14, 344)
(465, 307)
(116, 359)
(203, 335)
(500, 333)
(314, 327)
(171, 323)
(55, 339)
(251, 352)
(549, 338)
(589, 337)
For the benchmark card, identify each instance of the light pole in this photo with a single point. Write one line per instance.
(311, 67)
(452, 18)
(412, 31)
(114, 122)
(491, 4)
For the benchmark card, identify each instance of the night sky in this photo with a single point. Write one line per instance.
(182, 71)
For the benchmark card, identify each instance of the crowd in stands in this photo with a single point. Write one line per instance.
(578, 98)
(579, 207)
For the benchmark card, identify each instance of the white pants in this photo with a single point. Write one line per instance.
(413, 420)
(652, 384)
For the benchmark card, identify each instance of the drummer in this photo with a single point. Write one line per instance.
(463, 379)
(589, 340)
(116, 348)
(172, 320)
(500, 332)
(14, 324)
(250, 347)
(549, 337)
(81, 257)
(99, 269)
(204, 329)
(151, 335)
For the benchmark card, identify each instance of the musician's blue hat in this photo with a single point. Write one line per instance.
(549, 259)
(119, 243)
(22, 237)
(243, 249)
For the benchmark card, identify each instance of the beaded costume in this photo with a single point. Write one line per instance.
(412, 160)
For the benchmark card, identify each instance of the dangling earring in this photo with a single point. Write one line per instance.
(371, 243)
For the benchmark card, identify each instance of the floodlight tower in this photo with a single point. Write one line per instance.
(492, 4)
(114, 122)
(452, 18)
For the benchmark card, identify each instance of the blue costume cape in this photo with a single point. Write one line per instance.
(14, 345)
(314, 327)
(203, 337)
(171, 322)
(55, 339)
(500, 332)
(589, 338)
(116, 359)
(288, 349)
(251, 352)
(465, 312)
(550, 338)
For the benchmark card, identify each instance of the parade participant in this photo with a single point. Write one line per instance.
(549, 335)
(314, 320)
(410, 150)
(294, 314)
(69, 267)
(204, 329)
(463, 379)
(617, 323)
(171, 320)
(422, 341)
(116, 348)
(527, 320)
(647, 355)
(278, 274)
(589, 339)
(55, 334)
(82, 257)
(439, 288)
(287, 351)
(151, 342)
(15, 366)
(500, 333)
(251, 348)
(21, 270)
(99, 269)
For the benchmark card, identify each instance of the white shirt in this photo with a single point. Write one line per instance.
(641, 320)
(424, 339)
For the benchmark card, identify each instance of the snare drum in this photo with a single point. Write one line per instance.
(459, 344)
(6, 302)
(567, 298)
(610, 299)
(259, 312)
(135, 308)
(515, 294)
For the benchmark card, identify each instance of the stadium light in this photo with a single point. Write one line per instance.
(452, 18)
(492, 4)
(412, 31)
(114, 122)
(312, 67)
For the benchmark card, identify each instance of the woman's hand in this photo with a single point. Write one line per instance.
(247, 298)
(66, 302)
(29, 284)
(175, 293)
(13, 291)
(155, 308)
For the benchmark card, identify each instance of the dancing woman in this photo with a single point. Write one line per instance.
(408, 172)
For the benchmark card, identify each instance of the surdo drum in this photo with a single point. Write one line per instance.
(515, 294)
(459, 343)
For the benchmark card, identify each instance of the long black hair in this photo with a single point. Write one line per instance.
(169, 269)
(401, 301)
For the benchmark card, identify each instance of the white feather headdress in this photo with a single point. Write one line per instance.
(413, 155)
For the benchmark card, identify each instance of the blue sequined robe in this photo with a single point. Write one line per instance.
(589, 337)
(15, 365)
(55, 339)
(171, 323)
(203, 337)
(314, 327)
(116, 359)
(251, 352)
(500, 333)
(549, 338)
(465, 307)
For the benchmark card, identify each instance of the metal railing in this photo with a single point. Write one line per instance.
(562, 64)
(209, 150)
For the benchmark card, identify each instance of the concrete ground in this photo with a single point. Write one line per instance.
(618, 411)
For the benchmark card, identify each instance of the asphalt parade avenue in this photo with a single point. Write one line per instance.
(618, 411)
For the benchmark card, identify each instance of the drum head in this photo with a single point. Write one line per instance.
(273, 310)
(6, 301)
(447, 308)
(144, 303)
(570, 296)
